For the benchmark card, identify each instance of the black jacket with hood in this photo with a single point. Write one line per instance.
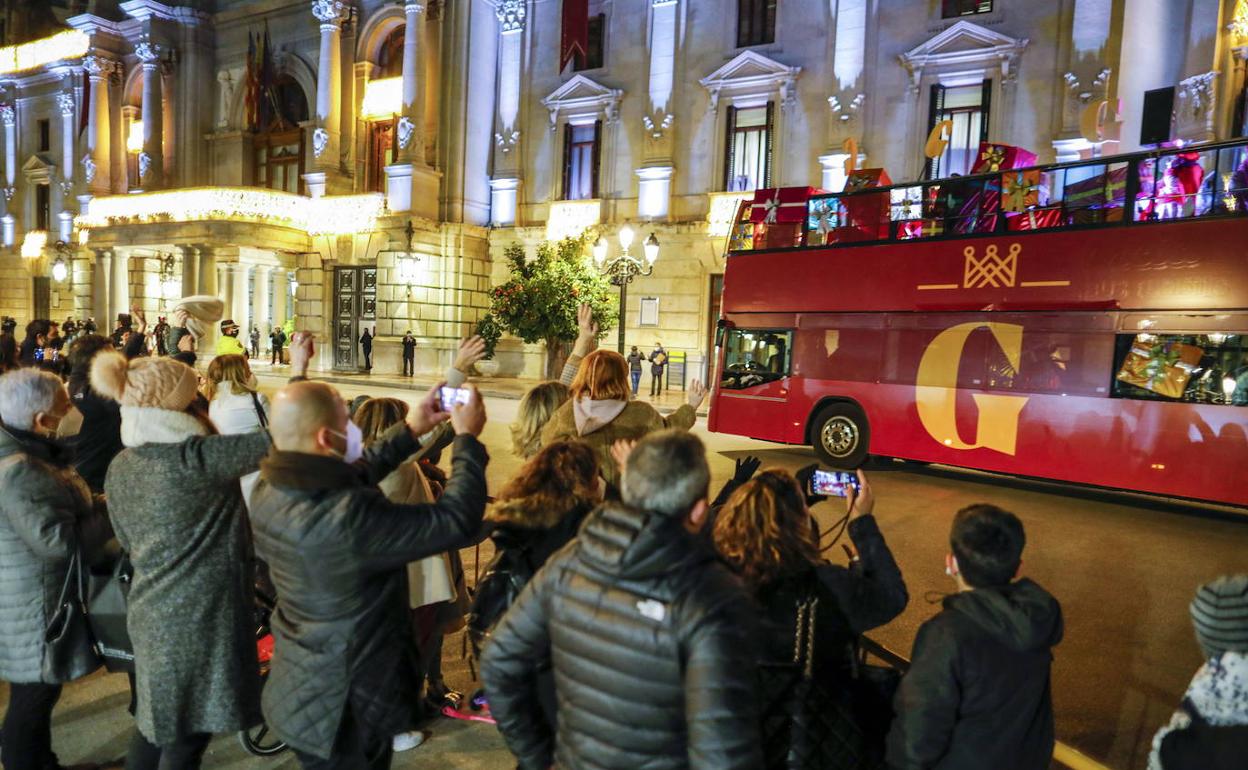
(977, 694)
(650, 639)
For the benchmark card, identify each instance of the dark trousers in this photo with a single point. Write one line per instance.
(409, 366)
(184, 754)
(28, 727)
(656, 383)
(357, 748)
(368, 358)
(276, 357)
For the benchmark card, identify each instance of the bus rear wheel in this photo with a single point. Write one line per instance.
(840, 435)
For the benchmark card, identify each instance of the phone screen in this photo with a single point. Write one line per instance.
(38, 354)
(453, 396)
(833, 483)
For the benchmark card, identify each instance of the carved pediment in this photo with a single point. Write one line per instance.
(751, 72)
(963, 43)
(583, 96)
(39, 168)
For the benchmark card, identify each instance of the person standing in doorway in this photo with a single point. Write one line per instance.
(409, 355)
(277, 341)
(634, 368)
(366, 346)
(255, 342)
(658, 362)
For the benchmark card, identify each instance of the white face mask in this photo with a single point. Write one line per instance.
(355, 443)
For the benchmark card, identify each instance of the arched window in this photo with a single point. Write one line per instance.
(279, 149)
(292, 104)
(390, 57)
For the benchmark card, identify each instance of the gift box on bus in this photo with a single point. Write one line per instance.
(1001, 157)
(781, 204)
(1161, 367)
(865, 178)
(777, 235)
(1034, 219)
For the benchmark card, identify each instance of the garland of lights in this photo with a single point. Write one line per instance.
(332, 215)
(69, 44)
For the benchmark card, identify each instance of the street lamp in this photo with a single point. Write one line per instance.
(623, 269)
(407, 267)
(60, 268)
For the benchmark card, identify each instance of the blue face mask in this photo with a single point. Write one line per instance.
(355, 443)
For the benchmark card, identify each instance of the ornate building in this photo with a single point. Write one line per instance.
(362, 163)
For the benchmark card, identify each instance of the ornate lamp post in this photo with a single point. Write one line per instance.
(623, 269)
(60, 267)
(407, 269)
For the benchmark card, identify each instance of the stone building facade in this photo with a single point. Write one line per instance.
(371, 164)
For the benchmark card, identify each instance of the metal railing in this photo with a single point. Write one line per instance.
(1062, 753)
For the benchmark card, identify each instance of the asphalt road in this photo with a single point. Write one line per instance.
(1124, 569)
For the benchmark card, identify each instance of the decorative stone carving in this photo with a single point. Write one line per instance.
(581, 96)
(225, 86)
(511, 15)
(147, 52)
(406, 130)
(8, 115)
(65, 101)
(145, 163)
(657, 124)
(1196, 93)
(88, 169)
(506, 142)
(9, 192)
(750, 73)
(320, 141)
(410, 8)
(98, 66)
(846, 112)
(329, 11)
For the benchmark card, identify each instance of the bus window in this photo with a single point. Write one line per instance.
(755, 356)
(1209, 368)
(1231, 181)
(1177, 185)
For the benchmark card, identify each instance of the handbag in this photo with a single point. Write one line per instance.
(264, 420)
(807, 725)
(68, 650)
(872, 690)
(107, 601)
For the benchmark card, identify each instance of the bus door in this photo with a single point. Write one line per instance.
(754, 383)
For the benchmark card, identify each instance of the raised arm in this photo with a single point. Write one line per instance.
(586, 343)
(224, 458)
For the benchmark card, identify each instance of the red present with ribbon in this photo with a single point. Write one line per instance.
(866, 178)
(778, 235)
(1001, 157)
(1021, 190)
(1034, 219)
(781, 204)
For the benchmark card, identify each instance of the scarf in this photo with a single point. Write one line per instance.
(591, 415)
(148, 425)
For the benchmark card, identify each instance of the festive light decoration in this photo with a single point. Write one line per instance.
(382, 98)
(331, 215)
(70, 44)
(134, 140)
(723, 212)
(1239, 22)
(568, 219)
(33, 243)
(59, 270)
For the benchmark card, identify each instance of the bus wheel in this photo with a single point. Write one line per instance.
(841, 435)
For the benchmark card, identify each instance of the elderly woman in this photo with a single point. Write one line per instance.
(46, 516)
(174, 499)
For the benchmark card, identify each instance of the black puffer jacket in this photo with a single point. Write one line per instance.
(99, 439)
(977, 694)
(650, 639)
(337, 552)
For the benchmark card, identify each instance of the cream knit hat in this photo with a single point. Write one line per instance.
(159, 383)
(202, 311)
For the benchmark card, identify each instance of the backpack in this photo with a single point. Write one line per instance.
(504, 579)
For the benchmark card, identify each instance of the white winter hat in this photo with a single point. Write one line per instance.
(202, 311)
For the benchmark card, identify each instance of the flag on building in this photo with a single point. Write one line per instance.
(251, 86)
(575, 37)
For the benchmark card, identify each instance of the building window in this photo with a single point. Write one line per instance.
(747, 160)
(756, 22)
(380, 154)
(580, 161)
(966, 107)
(593, 59)
(951, 9)
(390, 58)
(279, 161)
(43, 207)
(45, 135)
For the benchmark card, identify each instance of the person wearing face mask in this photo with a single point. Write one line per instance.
(175, 503)
(47, 514)
(228, 343)
(344, 673)
(977, 695)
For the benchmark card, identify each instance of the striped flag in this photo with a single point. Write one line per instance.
(251, 86)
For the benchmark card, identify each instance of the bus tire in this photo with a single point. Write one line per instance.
(840, 435)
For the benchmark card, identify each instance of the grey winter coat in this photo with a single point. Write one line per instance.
(177, 508)
(46, 511)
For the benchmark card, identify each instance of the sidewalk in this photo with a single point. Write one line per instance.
(491, 387)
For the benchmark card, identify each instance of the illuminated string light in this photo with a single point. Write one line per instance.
(70, 44)
(724, 212)
(568, 219)
(331, 215)
(382, 98)
(34, 243)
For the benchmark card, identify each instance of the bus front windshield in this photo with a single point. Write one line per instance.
(753, 357)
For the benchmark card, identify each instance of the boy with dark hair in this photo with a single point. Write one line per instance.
(977, 694)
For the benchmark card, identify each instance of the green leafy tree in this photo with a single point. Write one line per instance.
(489, 332)
(539, 302)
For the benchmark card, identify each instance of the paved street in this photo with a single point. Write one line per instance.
(1124, 569)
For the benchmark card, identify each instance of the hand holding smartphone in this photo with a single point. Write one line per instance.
(833, 483)
(449, 397)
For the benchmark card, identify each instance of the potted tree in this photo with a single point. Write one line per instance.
(489, 332)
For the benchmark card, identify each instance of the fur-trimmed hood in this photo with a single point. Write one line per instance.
(529, 513)
(147, 425)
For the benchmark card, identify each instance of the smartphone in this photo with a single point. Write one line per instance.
(38, 354)
(834, 483)
(453, 396)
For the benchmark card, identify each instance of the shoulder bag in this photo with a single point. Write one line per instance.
(68, 650)
(107, 603)
(264, 420)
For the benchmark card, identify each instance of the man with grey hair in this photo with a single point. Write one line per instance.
(648, 634)
(47, 515)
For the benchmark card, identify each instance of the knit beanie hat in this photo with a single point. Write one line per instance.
(202, 311)
(159, 383)
(1220, 615)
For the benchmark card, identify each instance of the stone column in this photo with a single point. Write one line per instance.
(238, 307)
(207, 283)
(411, 127)
(168, 122)
(505, 183)
(328, 83)
(190, 270)
(97, 160)
(8, 115)
(65, 101)
(260, 301)
(102, 295)
(120, 288)
(281, 291)
(152, 158)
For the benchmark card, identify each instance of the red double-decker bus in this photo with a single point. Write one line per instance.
(1092, 328)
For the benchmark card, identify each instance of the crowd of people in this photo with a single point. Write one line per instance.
(629, 619)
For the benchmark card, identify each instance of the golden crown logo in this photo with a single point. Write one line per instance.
(992, 270)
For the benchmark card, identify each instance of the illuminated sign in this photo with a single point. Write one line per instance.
(69, 44)
(568, 219)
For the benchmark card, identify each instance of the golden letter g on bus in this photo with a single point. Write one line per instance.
(936, 388)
